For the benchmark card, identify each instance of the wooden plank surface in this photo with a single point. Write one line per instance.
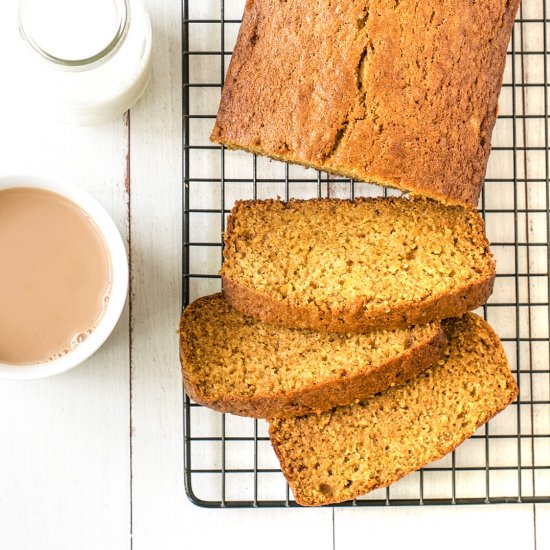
(542, 526)
(506, 527)
(76, 471)
(155, 198)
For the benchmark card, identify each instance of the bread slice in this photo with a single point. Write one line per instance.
(352, 450)
(237, 364)
(342, 266)
(402, 93)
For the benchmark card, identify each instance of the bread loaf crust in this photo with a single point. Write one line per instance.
(316, 398)
(403, 95)
(353, 318)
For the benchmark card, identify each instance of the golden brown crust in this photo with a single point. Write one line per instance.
(353, 317)
(401, 94)
(286, 461)
(317, 397)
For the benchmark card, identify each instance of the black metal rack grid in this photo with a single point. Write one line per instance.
(228, 460)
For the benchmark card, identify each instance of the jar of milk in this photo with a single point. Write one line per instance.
(87, 61)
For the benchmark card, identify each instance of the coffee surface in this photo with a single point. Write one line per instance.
(55, 276)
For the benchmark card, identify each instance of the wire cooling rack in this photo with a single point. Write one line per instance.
(228, 460)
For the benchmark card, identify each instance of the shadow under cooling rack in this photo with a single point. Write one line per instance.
(228, 460)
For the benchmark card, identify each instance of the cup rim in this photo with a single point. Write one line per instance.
(119, 273)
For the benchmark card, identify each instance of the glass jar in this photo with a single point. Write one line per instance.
(87, 61)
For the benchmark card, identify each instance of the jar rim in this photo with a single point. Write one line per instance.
(123, 23)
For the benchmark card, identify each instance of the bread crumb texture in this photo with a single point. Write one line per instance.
(344, 453)
(339, 265)
(237, 364)
(401, 93)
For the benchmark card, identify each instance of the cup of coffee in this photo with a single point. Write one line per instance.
(63, 276)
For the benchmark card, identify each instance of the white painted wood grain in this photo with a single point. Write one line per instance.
(266, 529)
(506, 527)
(155, 199)
(64, 442)
(542, 522)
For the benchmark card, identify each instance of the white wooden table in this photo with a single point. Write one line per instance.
(92, 459)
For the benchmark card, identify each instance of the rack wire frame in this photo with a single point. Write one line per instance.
(511, 459)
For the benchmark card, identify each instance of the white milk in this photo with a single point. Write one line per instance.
(86, 61)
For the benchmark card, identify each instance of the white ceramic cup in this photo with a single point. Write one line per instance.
(119, 276)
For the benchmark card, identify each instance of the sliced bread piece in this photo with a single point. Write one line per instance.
(353, 266)
(352, 450)
(233, 363)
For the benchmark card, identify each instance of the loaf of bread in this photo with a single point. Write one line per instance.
(403, 94)
(341, 266)
(344, 453)
(233, 363)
